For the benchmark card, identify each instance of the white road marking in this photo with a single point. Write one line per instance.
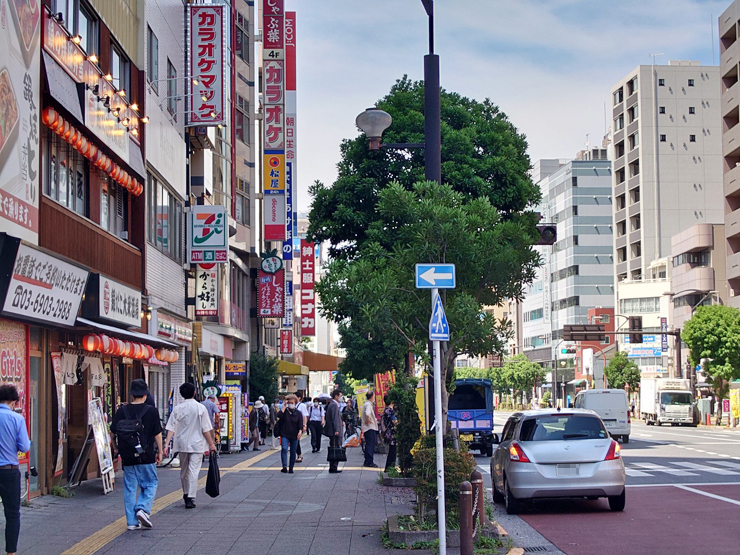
(636, 473)
(707, 494)
(736, 466)
(697, 484)
(660, 468)
(705, 468)
(484, 469)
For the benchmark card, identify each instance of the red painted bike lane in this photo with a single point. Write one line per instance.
(656, 520)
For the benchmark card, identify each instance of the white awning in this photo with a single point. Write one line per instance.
(134, 335)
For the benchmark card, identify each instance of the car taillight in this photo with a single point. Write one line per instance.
(516, 453)
(629, 420)
(615, 452)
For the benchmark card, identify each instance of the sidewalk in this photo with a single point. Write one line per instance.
(260, 509)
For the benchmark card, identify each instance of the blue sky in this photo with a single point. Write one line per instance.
(549, 64)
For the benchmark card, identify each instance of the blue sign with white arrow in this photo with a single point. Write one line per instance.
(439, 328)
(435, 276)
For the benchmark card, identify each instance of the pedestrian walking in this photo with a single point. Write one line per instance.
(334, 426)
(136, 428)
(289, 429)
(369, 429)
(316, 420)
(254, 432)
(301, 407)
(274, 411)
(388, 424)
(263, 417)
(193, 433)
(211, 404)
(13, 440)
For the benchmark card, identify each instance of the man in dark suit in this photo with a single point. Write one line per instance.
(334, 426)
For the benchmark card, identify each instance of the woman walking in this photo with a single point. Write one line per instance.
(289, 429)
(389, 420)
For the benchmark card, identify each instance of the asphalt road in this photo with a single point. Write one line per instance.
(683, 496)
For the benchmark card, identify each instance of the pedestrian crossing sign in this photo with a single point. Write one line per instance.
(439, 329)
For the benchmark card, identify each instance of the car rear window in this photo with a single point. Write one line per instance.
(562, 427)
(606, 401)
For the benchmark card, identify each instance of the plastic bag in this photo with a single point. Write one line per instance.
(213, 480)
(352, 441)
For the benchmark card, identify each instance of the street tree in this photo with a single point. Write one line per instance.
(263, 377)
(713, 335)
(522, 374)
(621, 371)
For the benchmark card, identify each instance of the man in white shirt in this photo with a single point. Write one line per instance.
(193, 430)
(369, 429)
(316, 416)
(301, 407)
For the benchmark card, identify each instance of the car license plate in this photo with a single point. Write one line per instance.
(466, 437)
(610, 423)
(567, 470)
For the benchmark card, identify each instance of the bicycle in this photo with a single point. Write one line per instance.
(352, 427)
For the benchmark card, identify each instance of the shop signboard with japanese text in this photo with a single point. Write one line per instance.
(273, 42)
(207, 55)
(14, 360)
(235, 370)
(271, 287)
(308, 299)
(208, 236)
(39, 287)
(118, 303)
(206, 290)
(383, 383)
(288, 318)
(650, 346)
(286, 342)
(20, 75)
(274, 217)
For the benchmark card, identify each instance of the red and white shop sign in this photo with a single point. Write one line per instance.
(286, 342)
(274, 217)
(271, 288)
(14, 360)
(273, 41)
(207, 64)
(308, 300)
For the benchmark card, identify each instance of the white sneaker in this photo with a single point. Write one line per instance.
(143, 518)
(134, 527)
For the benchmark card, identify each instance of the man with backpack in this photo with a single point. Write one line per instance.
(136, 428)
(316, 417)
(263, 416)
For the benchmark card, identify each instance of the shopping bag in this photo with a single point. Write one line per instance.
(214, 476)
(337, 454)
(352, 441)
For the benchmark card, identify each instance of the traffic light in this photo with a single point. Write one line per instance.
(548, 234)
(568, 351)
(635, 324)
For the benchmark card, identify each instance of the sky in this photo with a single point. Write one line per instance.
(548, 64)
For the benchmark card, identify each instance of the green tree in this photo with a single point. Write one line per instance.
(521, 374)
(408, 429)
(621, 371)
(263, 377)
(713, 335)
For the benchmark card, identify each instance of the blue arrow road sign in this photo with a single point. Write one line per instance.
(431, 276)
(439, 329)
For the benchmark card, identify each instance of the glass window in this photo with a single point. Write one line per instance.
(171, 90)
(691, 82)
(562, 427)
(152, 66)
(164, 219)
(87, 28)
(661, 82)
(67, 9)
(242, 127)
(66, 174)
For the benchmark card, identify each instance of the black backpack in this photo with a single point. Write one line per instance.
(262, 416)
(130, 435)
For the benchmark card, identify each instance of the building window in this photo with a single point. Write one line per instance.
(621, 228)
(87, 28)
(120, 68)
(661, 82)
(692, 138)
(662, 138)
(639, 306)
(621, 202)
(603, 318)
(619, 123)
(692, 110)
(243, 214)
(635, 168)
(700, 258)
(661, 109)
(622, 254)
(605, 341)
(113, 207)
(171, 90)
(66, 174)
(239, 297)
(634, 140)
(152, 62)
(633, 113)
(67, 9)
(242, 37)
(164, 219)
(635, 223)
(618, 96)
(636, 250)
(691, 82)
(242, 126)
(635, 195)
(632, 86)
(619, 149)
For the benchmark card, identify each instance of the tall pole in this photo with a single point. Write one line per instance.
(439, 426)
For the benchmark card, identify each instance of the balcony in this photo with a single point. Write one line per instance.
(731, 180)
(730, 99)
(634, 209)
(733, 266)
(698, 278)
(732, 224)
(77, 238)
(731, 140)
(729, 57)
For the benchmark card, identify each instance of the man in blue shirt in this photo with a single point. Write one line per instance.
(13, 439)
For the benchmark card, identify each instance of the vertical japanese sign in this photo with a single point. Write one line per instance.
(308, 303)
(271, 287)
(206, 290)
(207, 56)
(383, 383)
(288, 319)
(290, 132)
(20, 68)
(664, 337)
(286, 342)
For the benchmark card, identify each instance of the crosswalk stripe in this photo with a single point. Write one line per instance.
(636, 473)
(705, 468)
(660, 468)
(727, 464)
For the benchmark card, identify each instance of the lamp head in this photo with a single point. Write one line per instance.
(373, 122)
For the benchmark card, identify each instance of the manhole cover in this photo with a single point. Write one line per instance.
(535, 549)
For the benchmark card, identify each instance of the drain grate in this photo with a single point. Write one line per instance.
(536, 549)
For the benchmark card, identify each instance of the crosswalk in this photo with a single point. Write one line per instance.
(673, 468)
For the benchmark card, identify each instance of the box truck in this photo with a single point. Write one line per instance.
(665, 400)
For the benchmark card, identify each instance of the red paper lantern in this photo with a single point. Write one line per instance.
(60, 128)
(49, 116)
(160, 354)
(108, 165)
(115, 171)
(175, 356)
(137, 351)
(92, 153)
(68, 130)
(149, 351)
(78, 143)
(106, 344)
(82, 145)
(91, 342)
(118, 350)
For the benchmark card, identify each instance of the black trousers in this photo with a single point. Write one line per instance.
(10, 493)
(371, 437)
(334, 441)
(263, 430)
(315, 428)
(390, 460)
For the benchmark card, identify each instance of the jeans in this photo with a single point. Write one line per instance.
(315, 427)
(371, 436)
(145, 477)
(10, 492)
(390, 460)
(286, 443)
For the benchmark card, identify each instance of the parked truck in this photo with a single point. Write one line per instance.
(470, 411)
(667, 401)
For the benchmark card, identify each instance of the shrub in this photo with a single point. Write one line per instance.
(408, 428)
(458, 467)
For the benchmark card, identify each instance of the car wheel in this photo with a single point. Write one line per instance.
(625, 439)
(658, 422)
(483, 451)
(616, 502)
(498, 497)
(513, 505)
(489, 450)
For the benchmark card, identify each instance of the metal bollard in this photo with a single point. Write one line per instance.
(476, 478)
(466, 518)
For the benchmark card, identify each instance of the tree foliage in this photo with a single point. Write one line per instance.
(263, 377)
(518, 375)
(713, 336)
(408, 428)
(622, 371)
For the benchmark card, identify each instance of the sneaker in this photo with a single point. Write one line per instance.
(134, 527)
(143, 518)
(284, 470)
(290, 471)
(255, 449)
(370, 465)
(190, 503)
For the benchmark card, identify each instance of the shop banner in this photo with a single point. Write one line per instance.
(308, 302)
(235, 370)
(56, 365)
(664, 337)
(20, 76)
(207, 55)
(43, 288)
(288, 319)
(383, 383)
(119, 303)
(96, 418)
(286, 342)
(14, 360)
(207, 238)
(288, 243)
(271, 287)
(206, 290)
(273, 41)
(274, 206)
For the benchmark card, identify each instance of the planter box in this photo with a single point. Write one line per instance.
(398, 482)
(409, 537)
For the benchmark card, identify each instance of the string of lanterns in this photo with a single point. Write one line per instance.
(79, 142)
(116, 347)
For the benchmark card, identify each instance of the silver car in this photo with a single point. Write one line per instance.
(555, 453)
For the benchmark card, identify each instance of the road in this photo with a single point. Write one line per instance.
(683, 496)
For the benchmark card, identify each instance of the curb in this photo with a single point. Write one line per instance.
(516, 551)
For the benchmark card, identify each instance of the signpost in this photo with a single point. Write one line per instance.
(436, 277)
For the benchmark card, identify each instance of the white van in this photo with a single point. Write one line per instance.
(611, 405)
